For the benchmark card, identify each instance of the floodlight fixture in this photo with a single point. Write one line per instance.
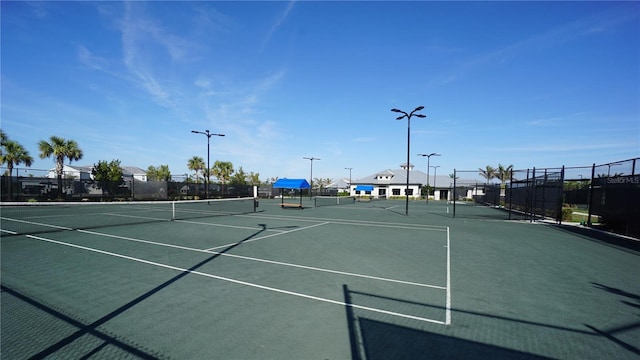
(208, 135)
(408, 116)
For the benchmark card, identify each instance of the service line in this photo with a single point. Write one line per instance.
(240, 282)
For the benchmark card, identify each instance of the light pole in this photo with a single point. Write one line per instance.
(311, 183)
(428, 158)
(208, 135)
(435, 168)
(408, 116)
(349, 179)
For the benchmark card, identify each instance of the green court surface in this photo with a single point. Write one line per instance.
(356, 281)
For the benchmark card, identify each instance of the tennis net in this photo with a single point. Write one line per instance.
(38, 217)
(333, 200)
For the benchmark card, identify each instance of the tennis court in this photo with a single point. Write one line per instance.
(351, 281)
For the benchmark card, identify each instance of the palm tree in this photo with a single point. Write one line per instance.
(3, 138)
(488, 173)
(60, 149)
(196, 164)
(504, 174)
(254, 178)
(321, 183)
(222, 170)
(13, 154)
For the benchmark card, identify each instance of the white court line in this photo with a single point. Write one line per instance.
(37, 223)
(268, 236)
(8, 231)
(448, 301)
(240, 282)
(223, 225)
(265, 260)
(350, 222)
(134, 216)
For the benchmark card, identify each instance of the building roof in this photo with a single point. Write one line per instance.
(399, 177)
(132, 170)
(339, 184)
(393, 177)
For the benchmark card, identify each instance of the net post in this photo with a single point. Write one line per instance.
(173, 210)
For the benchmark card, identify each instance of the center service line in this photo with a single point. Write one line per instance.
(180, 247)
(268, 288)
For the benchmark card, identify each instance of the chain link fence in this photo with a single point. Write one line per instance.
(604, 196)
(37, 185)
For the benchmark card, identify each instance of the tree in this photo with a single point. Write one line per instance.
(109, 176)
(12, 153)
(503, 174)
(60, 149)
(488, 172)
(321, 183)
(160, 173)
(3, 138)
(223, 171)
(196, 164)
(239, 177)
(254, 178)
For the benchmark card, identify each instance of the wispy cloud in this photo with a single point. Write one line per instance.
(38, 8)
(140, 33)
(283, 16)
(604, 21)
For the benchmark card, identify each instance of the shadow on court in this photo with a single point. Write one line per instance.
(377, 338)
(602, 237)
(93, 328)
(630, 299)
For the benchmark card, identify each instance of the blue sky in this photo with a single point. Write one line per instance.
(532, 84)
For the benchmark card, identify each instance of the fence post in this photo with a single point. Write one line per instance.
(543, 202)
(561, 197)
(532, 218)
(510, 191)
(454, 193)
(590, 206)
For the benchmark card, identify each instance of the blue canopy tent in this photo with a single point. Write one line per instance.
(364, 188)
(291, 184)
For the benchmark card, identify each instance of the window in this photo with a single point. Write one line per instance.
(410, 191)
(395, 191)
(382, 192)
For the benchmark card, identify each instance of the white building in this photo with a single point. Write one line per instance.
(388, 183)
(84, 172)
